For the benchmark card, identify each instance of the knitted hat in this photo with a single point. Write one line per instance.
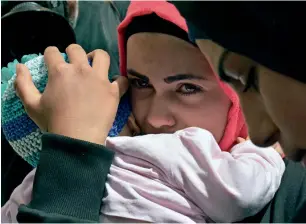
(20, 131)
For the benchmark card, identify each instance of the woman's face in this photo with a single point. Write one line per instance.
(274, 105)
(173, 86)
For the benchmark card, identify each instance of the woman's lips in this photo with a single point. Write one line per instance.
(272, 139)
(297, 155)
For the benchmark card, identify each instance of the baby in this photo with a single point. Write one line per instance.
(181, 177)
(185, 177)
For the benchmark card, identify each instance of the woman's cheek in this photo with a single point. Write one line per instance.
(192, 100)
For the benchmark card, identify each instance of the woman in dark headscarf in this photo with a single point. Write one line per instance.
(259, 48)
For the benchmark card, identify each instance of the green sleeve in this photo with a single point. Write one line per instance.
(289, 202)
(69, 182)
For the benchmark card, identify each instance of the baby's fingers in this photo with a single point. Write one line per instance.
(240, 140)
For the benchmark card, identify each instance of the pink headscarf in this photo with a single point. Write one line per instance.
(236, 126)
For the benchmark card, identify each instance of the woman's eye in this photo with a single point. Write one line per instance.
(139, 83)
(252, 80)
(242, 71)
(188, 89)
(223, 76)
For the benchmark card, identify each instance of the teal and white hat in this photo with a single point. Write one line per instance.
(20, 131)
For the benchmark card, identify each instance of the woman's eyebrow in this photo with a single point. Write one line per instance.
(169, 79)
(138, 75)
(179, 77)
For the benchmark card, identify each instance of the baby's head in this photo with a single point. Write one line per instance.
(19, 130)
(172, 85)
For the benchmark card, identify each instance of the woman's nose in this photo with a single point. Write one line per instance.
(160, 115)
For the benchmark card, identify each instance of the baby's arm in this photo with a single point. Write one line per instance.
(227, 186)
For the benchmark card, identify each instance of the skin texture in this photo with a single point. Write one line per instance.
(162, 106)
(274, 106)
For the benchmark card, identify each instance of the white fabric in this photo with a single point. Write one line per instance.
(180, 177)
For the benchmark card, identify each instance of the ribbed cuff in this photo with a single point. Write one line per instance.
(69, 181)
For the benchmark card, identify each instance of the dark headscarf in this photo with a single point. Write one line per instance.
(271, 33)
(154, 24)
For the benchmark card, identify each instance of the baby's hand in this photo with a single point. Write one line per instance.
(240, 140)
(131, 128)
(276, 146)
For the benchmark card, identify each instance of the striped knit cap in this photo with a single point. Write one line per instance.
(20, 131)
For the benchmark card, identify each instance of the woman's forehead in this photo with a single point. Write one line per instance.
(150, 53)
